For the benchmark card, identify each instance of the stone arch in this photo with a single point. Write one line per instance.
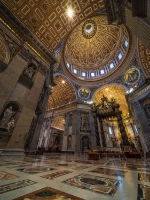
(116, 91)
(58, 123)
(62, 93)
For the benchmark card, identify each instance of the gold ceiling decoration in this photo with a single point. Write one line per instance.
(116, 92)
(48, 20)
(94, 44)
(2, 50)
(62, 94)
(145, 58)
(58, 123)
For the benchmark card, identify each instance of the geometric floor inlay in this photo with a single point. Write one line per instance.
(111, 172)
(6, 176)
(96, 184)
(81, 168)
(56, 174)
(48, 193)
(35, 170)
(15, 185)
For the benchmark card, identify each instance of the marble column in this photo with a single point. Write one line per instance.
(10, 77)
(66, 132)
(22, 127)
(76, 123)
(97, 137)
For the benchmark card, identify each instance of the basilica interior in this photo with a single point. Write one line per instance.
(75, 99)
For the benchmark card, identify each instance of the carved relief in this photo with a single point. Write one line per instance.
(30, 71)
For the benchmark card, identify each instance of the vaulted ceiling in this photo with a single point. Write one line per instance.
(62, 94)
(145, 57)
(58, 123)
(48, 20)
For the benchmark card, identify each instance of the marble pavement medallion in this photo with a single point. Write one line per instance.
(6, 176)
(48, 193)
(96, 184)
(56, 174)
(15, 185)
(111, 172)
(143, 192)
(81, 167)
(35, 170)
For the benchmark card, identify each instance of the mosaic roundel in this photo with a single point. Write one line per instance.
(84, 93)
(132, 76)
(89, 29)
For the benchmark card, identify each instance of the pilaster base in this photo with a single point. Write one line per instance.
(11, 152)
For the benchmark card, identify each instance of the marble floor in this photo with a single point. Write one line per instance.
(73, 177)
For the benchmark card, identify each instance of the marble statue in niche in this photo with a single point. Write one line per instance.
(69, 141)
(7, 121)
(85, 143)
(146, 106)
(30, 71)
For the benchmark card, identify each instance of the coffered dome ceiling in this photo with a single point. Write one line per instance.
(62, 94)
(95, 49)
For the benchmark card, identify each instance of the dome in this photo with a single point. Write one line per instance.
(95, 49)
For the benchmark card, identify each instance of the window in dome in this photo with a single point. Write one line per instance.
(111, 65)
(120, 56)
(83, 73)
(92, 74)
(68, 65)
(75, 71)
(102, 72)
(126, 43)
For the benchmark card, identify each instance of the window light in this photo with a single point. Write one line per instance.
(102, 72)
(126, 43)
(75, 71)
(68, 65)
(83, 73)
(92, 74)
(120, 56)
(111, 65)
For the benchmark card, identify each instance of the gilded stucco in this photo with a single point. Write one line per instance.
(48, 20)
(144, 57)
(62, 94)
(58, 123)
(116, 92)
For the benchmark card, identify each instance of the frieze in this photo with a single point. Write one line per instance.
(134, 96)
(25, 54)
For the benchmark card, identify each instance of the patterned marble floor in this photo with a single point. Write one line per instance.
(73, 177)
